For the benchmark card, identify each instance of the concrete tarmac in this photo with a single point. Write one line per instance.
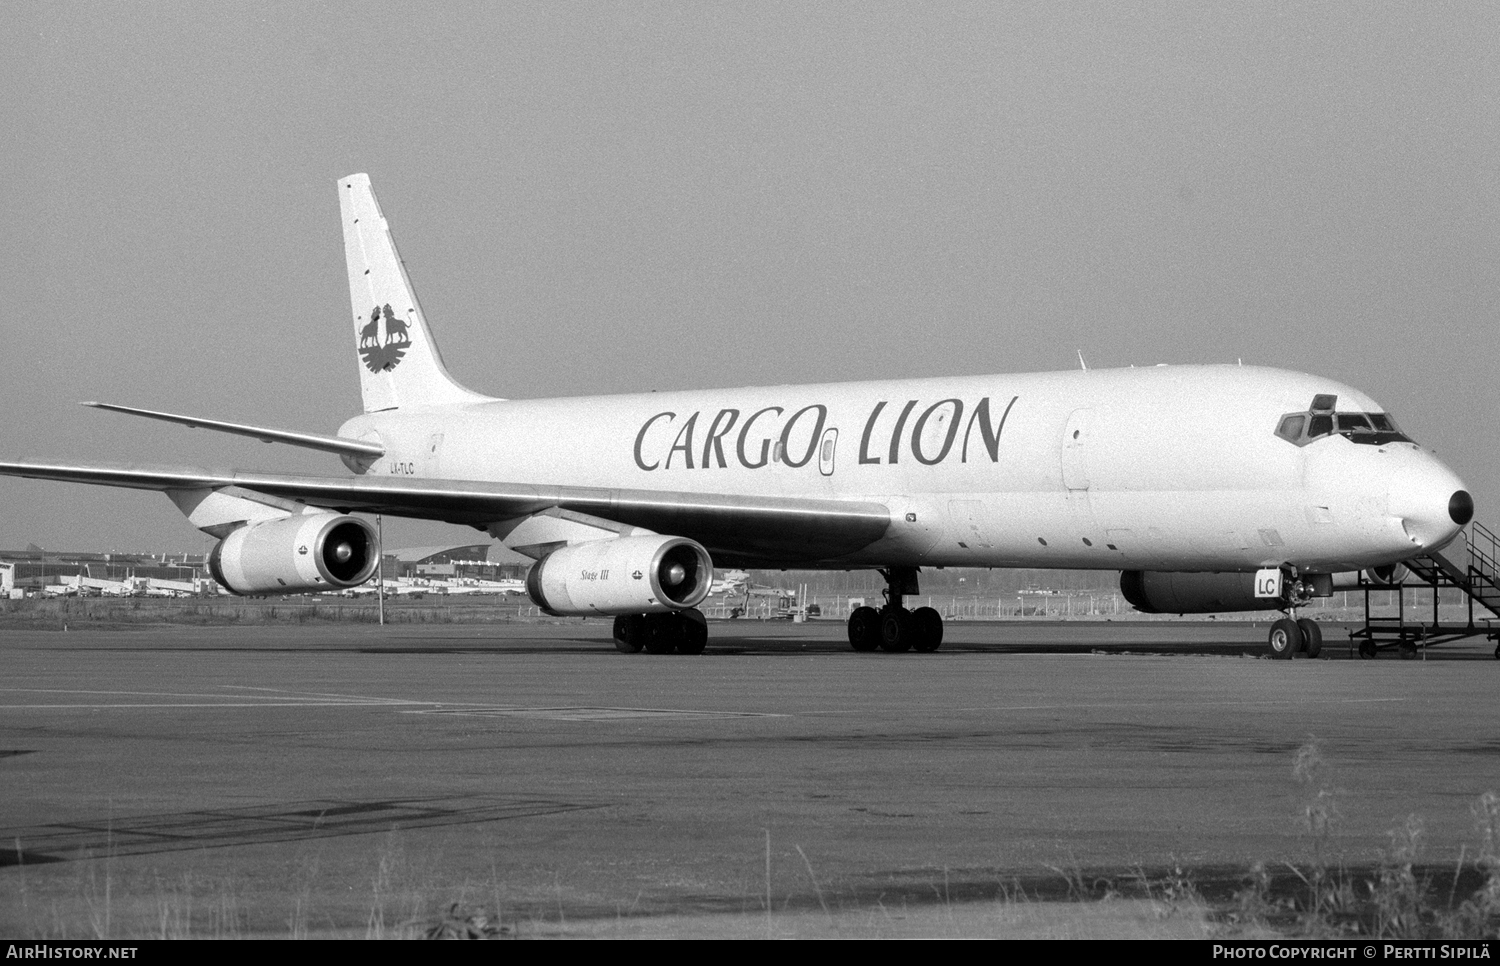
(291, 780)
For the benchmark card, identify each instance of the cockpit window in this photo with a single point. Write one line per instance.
(1291, 427)
(1368, 429)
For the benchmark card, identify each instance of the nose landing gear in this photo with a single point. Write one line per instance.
(893, 628)
(1292, 636)
(1285, 639)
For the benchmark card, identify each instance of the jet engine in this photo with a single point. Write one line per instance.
(293, 555)
(1165, 592)
(626, 575)
(1389, 574)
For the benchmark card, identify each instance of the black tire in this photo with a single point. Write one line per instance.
(1367, 650)
(663, 631)
(1407, 650)
(694, 632)
(1285, 639)
(629, 635)
(864, 629)
(896, 631)
(1497, 652)
(1312, 637)
(927, 625)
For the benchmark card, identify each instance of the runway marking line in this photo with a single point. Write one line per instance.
(276, 699)
(147, 694)
(1269, 702)
(363, 698)
(217, 704)
(595, 714)
(279, 698)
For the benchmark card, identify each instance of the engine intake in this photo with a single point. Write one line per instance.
(627, 575)
(297, 554)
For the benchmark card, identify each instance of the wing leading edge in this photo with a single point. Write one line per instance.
(735, 529)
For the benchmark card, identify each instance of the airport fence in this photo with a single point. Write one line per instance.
(1345, 607)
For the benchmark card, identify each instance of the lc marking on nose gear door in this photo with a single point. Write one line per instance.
(378, 357)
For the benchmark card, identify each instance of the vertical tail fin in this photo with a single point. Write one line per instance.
(399, 364)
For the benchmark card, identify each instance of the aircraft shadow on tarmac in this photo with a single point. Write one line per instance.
(291, 822)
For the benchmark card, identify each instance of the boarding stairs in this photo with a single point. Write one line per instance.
(1469, 564)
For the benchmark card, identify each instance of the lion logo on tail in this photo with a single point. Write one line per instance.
(380, 357)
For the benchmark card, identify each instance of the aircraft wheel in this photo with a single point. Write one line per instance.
(1407, 650)
(1285, 639)
(663, 633)
(693, 628)
(864, 629)
(1312, 637)
(630, 635)
(896, 631)
(1367, 650)
(928, 626)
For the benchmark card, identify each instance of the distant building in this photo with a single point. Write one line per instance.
(486, 561)
(34, 568)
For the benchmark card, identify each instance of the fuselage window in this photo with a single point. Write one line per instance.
(1291, 427)
(1353, 422)
(1319, 426)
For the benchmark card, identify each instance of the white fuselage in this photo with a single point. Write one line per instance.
(1163, 468)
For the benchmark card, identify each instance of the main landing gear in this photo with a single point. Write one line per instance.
(679, 632)
(893, 628)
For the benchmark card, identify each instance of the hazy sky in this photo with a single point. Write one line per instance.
(595, 198)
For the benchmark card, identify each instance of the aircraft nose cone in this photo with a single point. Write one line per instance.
(1431, 503)
(1461, 507)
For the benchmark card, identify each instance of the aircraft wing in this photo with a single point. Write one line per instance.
(737, 530)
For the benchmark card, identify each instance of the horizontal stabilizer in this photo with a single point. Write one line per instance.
(328, 444)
